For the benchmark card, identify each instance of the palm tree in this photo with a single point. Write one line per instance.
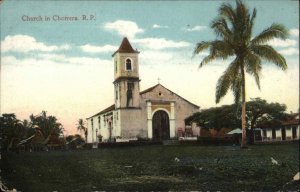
(233, 29)
(48, 125)
(81, 127)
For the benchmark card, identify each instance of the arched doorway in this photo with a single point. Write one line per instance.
(160, 125)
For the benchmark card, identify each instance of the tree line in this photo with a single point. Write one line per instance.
(259, 114)
(13, 130)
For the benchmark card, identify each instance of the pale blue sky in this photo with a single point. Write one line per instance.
(65, 68)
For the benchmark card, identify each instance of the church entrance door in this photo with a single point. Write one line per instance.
(160, 125)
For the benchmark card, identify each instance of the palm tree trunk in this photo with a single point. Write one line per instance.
(243, 143)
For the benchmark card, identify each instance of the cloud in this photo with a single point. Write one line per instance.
(282, 43)
(50, 59)
(294, 32)
(160, 43)
(124, 28)
(195, 28)
(25, 43)
(88, 61)
(155, 57)
(30, 85)
(98, 49)
(156, 26)
(290, 51)
(52, 56)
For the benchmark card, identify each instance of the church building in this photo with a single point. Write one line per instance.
(156, 113)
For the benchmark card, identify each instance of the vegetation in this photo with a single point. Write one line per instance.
(74, 141)
(14, 130)
(48, 124)
(233, 28)
(154, 168)
(82, 128)
(259, 113)
(216, 118)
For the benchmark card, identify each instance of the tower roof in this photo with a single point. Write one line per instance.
(125, 47)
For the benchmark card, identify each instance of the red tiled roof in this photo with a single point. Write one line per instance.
(291, 122)
(125, 47)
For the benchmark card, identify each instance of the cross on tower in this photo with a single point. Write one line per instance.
(158, 79)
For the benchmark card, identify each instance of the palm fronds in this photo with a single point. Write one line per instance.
(274, 31)
(270, 54)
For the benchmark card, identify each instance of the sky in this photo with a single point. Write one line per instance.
(54, 60)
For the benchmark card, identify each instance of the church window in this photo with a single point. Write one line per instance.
(99, 120)
(128, 65)
(116, 89)
(116, 66)
(159, 94)
(92, 123)
(129, 93)
(130, 85)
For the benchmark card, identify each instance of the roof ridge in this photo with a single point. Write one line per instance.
(125, 47)
(151, 88)
(111, 107)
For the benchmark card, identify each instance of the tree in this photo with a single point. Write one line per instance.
(233, 29)
(74, 141)
(258, 108)
(215, 118)
(12, 130)
(259, 113)
(9, 129)
(49, 125)
(82, 128)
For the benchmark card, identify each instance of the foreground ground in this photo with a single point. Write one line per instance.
(153, 168)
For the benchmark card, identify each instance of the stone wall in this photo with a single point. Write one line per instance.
(120, 61)
(133, 123)
(183, 108)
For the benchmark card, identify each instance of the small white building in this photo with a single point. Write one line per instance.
(155, 113)
(288, 130)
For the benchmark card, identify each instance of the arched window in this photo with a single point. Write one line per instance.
(128, 65)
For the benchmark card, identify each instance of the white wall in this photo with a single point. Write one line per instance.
(92, 130)
(289, 133)
(269, 134)
(89, 136)
(278, 134)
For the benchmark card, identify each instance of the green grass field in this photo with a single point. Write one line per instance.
(154, 168)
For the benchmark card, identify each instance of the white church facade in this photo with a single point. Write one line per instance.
(155, 113)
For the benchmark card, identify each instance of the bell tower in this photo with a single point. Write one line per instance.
(126, 76)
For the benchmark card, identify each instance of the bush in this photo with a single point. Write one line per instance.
(215, 140)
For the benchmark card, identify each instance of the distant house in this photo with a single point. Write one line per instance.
(287, 130)
(37, 141)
